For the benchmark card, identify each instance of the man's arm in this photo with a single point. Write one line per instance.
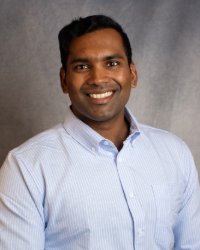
(21, 217)
(187, 229)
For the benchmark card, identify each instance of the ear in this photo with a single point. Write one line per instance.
(63, 81)
(134, 76)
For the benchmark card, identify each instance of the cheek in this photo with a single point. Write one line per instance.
(74, 79)
(74, 84)
(124, 77)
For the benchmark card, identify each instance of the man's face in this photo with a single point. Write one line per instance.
(98, 78)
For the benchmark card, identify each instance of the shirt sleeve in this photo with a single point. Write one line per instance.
(186, 231)
(21, 218)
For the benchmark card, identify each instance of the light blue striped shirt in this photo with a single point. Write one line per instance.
(70, 189)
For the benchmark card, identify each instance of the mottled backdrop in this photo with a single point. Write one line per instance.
(165, 37)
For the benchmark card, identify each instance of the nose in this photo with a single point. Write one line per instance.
(97, 76)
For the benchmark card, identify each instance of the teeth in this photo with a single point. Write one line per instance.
(102, 95)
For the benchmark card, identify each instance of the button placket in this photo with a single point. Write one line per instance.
(132, 200)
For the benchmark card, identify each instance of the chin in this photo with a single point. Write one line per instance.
(105, 117)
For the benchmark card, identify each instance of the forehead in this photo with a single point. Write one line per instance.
(97, 42)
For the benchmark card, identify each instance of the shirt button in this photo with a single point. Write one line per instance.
(131, 195)
(93, 149)
(140, 231)
(120, 159)
(106, 143)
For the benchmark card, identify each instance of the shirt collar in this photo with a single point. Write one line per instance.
(88, 137)
(134, 125)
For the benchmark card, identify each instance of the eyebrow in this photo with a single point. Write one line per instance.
(87, 60)
(114, 56)
(79, 59)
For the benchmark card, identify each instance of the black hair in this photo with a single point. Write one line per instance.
(81, 26)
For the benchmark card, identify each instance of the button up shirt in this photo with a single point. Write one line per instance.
(70, 189)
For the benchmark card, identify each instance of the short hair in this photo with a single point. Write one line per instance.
(81, 26)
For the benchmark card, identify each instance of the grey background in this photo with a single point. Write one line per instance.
(165, 37)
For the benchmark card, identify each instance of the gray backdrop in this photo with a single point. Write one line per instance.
(165, 37)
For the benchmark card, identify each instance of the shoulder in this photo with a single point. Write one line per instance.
(170, 148)
(40, 153)
(161, 136)
(48, 140)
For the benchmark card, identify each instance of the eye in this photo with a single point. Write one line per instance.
(112, 63)
(81, 67)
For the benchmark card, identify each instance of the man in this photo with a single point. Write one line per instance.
(100, 180)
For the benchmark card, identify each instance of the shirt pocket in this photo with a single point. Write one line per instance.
(163, 231)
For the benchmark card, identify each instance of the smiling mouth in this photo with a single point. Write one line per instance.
(101, 95)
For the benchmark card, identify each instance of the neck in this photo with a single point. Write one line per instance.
(116, 130)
